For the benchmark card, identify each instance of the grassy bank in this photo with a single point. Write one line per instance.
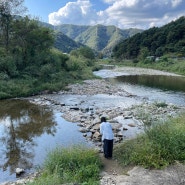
(160, 146)
(28, 86)
(50, 79)
(75, 164)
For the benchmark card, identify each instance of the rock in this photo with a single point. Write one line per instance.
(92, 131)
(83, 130)
(97, 136)
(96, 120)
(80, 124)
(19, 171)
(127, 117)
(119, 134)
(85, 135)
(125, 128)
(96, 127)
(131, 125)
(74, 108)
(116, 126)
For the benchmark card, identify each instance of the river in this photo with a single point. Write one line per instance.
(152, 85)
(28, 131)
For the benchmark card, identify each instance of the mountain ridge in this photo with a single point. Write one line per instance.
(156, 41)
(100, 38)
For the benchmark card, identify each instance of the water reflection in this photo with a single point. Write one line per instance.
(169, 89)
(20, 122)
(174, 83)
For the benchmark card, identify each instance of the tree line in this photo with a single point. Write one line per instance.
(154, 42)
(29, 62)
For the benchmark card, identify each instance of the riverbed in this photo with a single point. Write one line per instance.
(125, 105)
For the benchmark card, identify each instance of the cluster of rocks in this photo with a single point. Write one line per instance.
(132, 119)
(92, 87)
(126, 122)
(28, 178)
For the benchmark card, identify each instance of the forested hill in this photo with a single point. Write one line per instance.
(64, 43)
(99, 38)
(155, 41)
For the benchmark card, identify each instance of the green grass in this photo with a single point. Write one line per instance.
(160, 146)
(76, 164)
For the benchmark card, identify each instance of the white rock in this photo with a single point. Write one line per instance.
(18, 171)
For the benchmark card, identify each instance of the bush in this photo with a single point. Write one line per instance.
(160, 146)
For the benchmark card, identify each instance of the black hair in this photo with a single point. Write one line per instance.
(103, 119)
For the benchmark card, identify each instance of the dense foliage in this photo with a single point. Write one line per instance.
(154, 42)
(29, 64)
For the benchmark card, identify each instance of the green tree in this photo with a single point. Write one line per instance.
(83, 52)
(143, 53)
(8, 10)
(31, 43)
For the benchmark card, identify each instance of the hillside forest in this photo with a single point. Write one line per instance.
(169, 39)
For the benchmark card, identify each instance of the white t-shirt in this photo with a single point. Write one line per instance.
(106, 131)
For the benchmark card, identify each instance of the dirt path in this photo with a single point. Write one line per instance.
(114, 174)
(111, 166)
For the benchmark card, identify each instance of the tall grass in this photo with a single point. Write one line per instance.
(161, 145)
(75, 164)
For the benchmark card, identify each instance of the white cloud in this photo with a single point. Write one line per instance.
(79, 12)
(121, 13)
(175, 3)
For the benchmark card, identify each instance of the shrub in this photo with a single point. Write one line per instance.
(160, 146)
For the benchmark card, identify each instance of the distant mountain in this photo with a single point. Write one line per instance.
(168, 39)
(64, 43)
(99, 38)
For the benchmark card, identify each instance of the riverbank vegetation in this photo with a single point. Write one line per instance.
(76, 165)
(161, 145)
(29, 63)
(158, 48)
(165, 63)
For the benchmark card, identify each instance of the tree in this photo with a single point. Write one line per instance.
(83, 51)
(143, 53)
(8, 10)
(31, 42)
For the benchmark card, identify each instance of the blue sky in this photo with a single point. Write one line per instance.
(121, 13)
